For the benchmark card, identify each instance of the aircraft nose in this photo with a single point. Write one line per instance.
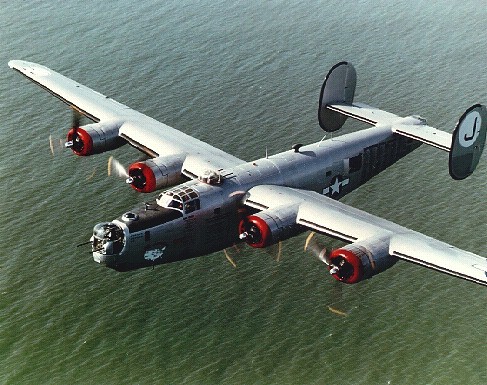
(108, 241)
(100, 258)
(104, 259)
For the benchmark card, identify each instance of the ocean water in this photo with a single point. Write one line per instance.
(245, 77)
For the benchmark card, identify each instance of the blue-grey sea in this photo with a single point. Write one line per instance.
(244, 76)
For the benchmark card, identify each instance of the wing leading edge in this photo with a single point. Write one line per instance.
(330, 217)
(147, 134)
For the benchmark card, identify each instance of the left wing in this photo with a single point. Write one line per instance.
(365, 231)
(147, 134)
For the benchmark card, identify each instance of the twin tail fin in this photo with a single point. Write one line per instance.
(465, 144)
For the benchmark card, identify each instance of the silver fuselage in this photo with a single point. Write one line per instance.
(153, 235)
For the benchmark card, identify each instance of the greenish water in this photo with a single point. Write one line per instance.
(242, 76)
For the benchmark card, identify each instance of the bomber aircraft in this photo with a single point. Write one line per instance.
(209, 200)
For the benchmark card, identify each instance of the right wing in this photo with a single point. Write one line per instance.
(145, 133)
(366, 231)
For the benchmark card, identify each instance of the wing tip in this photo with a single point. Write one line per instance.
(14, 63)
(28, 68)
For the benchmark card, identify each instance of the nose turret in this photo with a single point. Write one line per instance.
(107, 242)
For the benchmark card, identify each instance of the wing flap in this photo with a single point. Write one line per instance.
(336, 219)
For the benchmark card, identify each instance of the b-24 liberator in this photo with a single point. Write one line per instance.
(208, 200)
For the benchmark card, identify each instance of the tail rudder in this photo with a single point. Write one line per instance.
(338, 88)
(468, 140)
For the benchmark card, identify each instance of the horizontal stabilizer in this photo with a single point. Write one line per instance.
(465, 145)
(413, 127)
(421, 132)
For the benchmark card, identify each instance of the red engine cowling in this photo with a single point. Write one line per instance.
(360, 260)
(156, 173)
(94, 138)
(268, 227)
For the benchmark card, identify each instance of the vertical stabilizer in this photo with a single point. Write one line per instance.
(468, 140)
(338, 88)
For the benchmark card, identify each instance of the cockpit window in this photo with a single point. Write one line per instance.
(184, 199)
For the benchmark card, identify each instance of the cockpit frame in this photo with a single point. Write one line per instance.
(183, 199)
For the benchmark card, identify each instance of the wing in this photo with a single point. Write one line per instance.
(327, 216)
(141, 131)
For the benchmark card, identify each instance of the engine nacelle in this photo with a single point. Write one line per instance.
(268, 227)
(94, 138)
(361, 260)
(156, 173)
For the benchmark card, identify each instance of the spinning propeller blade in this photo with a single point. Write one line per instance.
(316, 248)
(76, 118)
(313, 246)
(73, 141)
(116, 168)
(234, 252)
(56, 145)
(275, 251)
(229, 258)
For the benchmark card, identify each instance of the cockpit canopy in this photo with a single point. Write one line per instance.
(183, 199)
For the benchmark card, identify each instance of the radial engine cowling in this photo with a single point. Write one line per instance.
(269, 226)
(361, 260)
(156, 173)
(94, 138)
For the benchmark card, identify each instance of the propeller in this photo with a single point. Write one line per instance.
(275, 251)
(56, 145)
(235, 251)
(231, 253)
(75, 143)
(317, 249)
(116, 168)
(229, 258)
(313, 246)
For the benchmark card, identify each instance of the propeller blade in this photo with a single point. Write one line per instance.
(116, 168)
(75, 123)
(76, 118)
(238, 249)
(56, 145)
(91, 176)
(275, 251)
(230, 259)
(51, 145)
(316, 248)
